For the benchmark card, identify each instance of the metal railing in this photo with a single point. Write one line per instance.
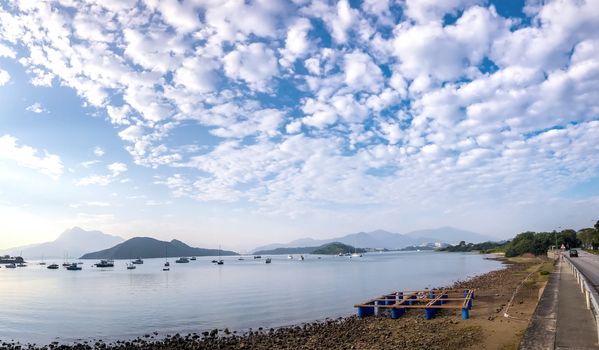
(586, 287)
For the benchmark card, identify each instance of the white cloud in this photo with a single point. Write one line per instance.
(98, 151)
(29, 157)
(116, 169)
(36, 108)
(254, 63)
(380, 111)
(4, 77)
(6, 51)
(297, 43)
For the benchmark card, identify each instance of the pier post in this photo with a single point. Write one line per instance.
(396, 313)
(465, 314)
(428, 313)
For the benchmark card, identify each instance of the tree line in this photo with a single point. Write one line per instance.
(536, 243)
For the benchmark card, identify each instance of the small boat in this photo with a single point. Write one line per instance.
(52, 267)
(11, 266)
(80, 263)
(166, 264)
(257, 257)
(356, 255)
(290, 257)
(220, 262)
(74, 267)
(105, 263)
(302, 258)
(182, 261)
(21, 265)
(137, 261)
(268, 260)
(240, 259)
(66, 264)
(340, 254)
(193, 258)
(131, 266)
(214, 261)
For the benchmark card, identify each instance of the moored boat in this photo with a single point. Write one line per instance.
(182, 261)
(137, 261)
(74, 267)
(268, 260)
(10, 266)
(104, 263)
(131, 266)
(52, 267)
(193, 258)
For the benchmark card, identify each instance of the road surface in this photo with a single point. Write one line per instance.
(588, 264)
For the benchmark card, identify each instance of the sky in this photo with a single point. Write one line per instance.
(240, 123)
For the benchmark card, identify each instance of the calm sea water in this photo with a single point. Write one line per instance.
(41, 305)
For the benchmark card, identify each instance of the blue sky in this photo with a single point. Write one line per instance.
(241, 123)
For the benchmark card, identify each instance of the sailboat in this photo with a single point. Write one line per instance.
(42, 263)
(355, 254)
(65, 262)
(166, 264)
(220, 261)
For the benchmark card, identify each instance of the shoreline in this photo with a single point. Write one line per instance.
(446, 330)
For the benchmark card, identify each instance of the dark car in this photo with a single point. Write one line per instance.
(573, 253)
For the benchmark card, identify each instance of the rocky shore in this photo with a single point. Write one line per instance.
(411, 331)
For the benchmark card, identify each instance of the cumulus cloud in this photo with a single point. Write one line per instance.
(98, 151)
(36, 108)
(30, 157)
(115, 169)
(305, 103)
(254, 63)
(4, 77)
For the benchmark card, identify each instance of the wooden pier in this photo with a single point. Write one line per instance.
(431, 300)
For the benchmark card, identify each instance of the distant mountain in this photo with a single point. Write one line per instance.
(74, 242)
(449, 235)
(388, 240)
(146, 247)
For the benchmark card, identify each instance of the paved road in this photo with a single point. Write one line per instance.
(588, 264)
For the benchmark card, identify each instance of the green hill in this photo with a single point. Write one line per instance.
(145, 248)
(299, 250)
(337, 248)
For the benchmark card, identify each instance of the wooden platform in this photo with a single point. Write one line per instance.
(431, 300)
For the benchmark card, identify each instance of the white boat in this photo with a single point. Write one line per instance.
(166, 264)
(289, 256)
(301, 257)
(268, 260)
(74, 267)
(11, 266)
(131, 266)
(356, 255)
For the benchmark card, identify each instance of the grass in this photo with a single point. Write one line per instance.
(596, 252)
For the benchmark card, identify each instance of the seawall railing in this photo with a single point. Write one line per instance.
(586, 287)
